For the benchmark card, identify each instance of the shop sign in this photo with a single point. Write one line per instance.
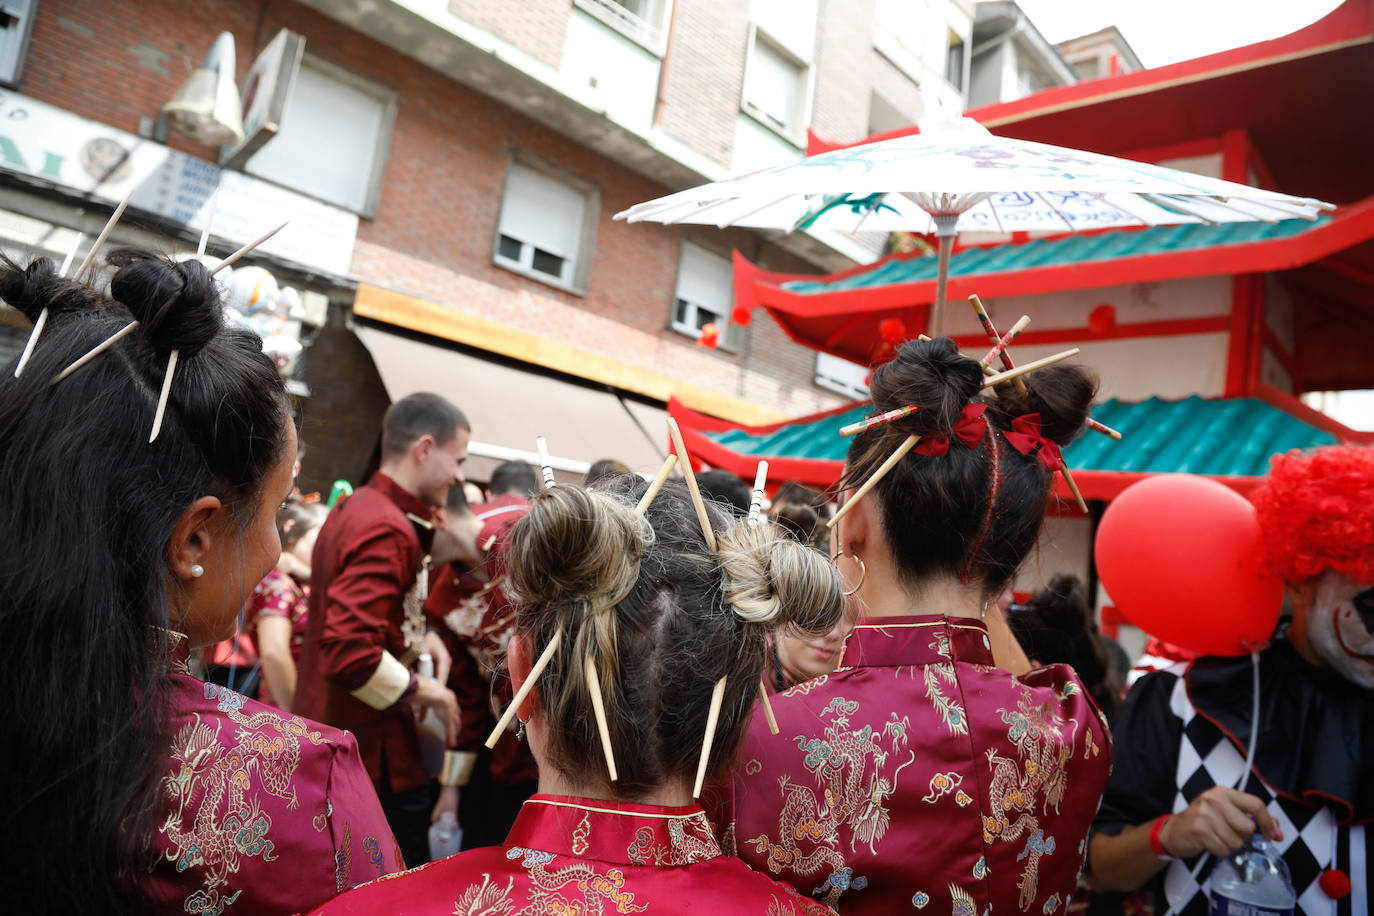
(101, 162)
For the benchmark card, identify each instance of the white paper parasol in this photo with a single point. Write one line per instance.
(955, 176)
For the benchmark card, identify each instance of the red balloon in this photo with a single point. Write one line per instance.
(1102, 319)
(741, 315)
(1179, 555)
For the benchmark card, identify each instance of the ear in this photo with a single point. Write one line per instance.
(855, 529)
(421, 447)
(521, 661)
(193, 536)
(1301, 595)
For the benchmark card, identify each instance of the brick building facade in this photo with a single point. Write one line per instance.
(610, 103)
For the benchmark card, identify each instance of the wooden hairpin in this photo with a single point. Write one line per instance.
(691, 479)
(520, 695)
(712, 717)
(599, 709)
(656, 484)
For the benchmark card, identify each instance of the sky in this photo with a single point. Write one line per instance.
(1164, 31)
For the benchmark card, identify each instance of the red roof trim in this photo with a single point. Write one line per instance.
(1352, 225)
(1352, 23)
(1284, 401)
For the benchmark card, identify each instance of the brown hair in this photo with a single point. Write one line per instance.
(662, 618)
(973, 512)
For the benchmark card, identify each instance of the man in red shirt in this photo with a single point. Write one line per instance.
(367, 626)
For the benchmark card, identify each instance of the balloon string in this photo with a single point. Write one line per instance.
(1245, 774)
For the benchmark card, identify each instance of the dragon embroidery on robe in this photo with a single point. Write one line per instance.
(214, 819)
(1020, 790)
(856, 772)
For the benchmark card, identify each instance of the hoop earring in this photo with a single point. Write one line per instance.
(863, 570)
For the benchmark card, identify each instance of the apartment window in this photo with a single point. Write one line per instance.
(776, 86)
(546, 225)
(841, 376)
(954, 62)
(705, 294)
(640, 20)
(334, 138)
(16, 25)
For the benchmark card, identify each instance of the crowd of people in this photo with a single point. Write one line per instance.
(631, 696)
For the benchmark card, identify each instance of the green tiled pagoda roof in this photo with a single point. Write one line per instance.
(1070, 249)
(1222, 437)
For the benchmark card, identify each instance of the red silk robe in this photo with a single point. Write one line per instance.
(266, 812)
(920, 775)
(585, 856)
(361, 625)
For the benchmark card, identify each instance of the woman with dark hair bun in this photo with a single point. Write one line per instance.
(920, 773)
(134, 787)
(1055, 627)
(638, 612)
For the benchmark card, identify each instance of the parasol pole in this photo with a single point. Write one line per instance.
(944, 231)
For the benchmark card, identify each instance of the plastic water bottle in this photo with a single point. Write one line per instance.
(1252, 881)
(445, 837)
(428, 728)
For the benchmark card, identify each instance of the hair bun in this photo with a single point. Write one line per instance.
(770, 579)
(1061, 394)
(38, 286)
(176, 302)
(577, 546)
(1063, 603)
(934, 376)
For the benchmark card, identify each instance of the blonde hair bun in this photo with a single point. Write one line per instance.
(771, 580)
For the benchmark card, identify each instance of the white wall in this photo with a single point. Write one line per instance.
(611, 71)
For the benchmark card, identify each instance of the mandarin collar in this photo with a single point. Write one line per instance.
(403, 498)
(622, 833)
(927, 639)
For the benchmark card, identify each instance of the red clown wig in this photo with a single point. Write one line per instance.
(1316, 512)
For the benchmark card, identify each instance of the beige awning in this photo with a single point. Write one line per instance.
(508, 407)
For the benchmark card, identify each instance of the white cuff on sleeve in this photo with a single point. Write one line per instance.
(387, 683)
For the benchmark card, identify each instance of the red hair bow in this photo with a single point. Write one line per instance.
(1026, 438)
(968, 429)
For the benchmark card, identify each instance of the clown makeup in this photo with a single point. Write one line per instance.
(1340, 627)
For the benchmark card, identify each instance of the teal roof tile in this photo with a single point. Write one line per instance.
(1069, 249)
(1218, 437)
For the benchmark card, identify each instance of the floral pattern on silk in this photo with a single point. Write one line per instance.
(586, 857)
(265, 812)
(919, 775)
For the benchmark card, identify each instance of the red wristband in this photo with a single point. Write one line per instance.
(1155, 829)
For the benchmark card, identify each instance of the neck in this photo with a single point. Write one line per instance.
(884, 594)
(403, 473)
(585, 785)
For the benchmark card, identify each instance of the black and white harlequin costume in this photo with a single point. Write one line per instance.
(1186, 729)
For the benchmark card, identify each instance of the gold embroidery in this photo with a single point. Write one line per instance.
(689, 840)
(581, 836)
(485, 899)
(1043, 740)
(941, 784)
(413, 604)
(214, 821)
(590, 889)
(962, 902)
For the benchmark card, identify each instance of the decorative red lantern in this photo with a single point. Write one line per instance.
(892, 330)
(741, 315)
(710, 336)
(1102, 319)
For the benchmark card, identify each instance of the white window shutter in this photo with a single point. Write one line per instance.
(542, 212)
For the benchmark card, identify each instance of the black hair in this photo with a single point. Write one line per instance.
(87, 506)
(663, 619)
(420, 414)
(726, 489)
(973, 512)
(457, 502)
(516, 477)
(798, 510)
(1055, 627)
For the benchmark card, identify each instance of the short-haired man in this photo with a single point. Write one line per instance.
(366, 624)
